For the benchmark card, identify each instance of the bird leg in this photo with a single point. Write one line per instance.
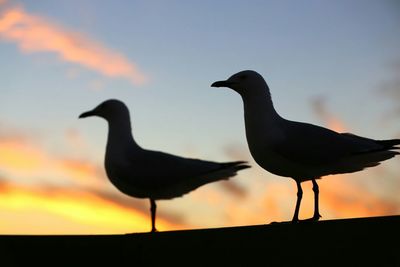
(316, 215)
(153, 208)
(315, 188)
(299, 196)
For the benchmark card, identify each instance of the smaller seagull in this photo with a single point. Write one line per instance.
(298, 150)
(150, 174)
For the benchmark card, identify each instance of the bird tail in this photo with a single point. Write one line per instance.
(235, 165)
(225, 171)
(382, 144)
(389, 144)
(360, 161)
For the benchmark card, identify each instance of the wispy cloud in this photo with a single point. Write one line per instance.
(339, 198)
(330, 120)
(33, 33)
(390, 89)
(139, 205)
(40, 186)
(74, 209)
(69, 189)
(342, 198)
(233, 188)
(236, 152)
(21, 158)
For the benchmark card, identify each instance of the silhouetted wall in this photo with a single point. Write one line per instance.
(350, 242)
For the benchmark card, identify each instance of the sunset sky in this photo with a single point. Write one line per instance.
(332, 63)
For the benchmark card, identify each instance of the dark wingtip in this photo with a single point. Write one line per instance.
(242, 167)
(238, 165)
(389, 144)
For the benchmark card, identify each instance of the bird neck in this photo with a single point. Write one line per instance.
(258, 103)
(261, 119)
(120, 134)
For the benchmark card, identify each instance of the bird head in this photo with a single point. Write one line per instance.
(243, 82)
(110, 110)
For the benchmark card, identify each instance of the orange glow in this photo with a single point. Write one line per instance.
(275, 201)
(15, 155)
(339, 198)
(79, 208)
(24, 158)
(74, 139)
(329, 119)
(343, 199)
(68, 211)
(81, 171)
(35, 34)
(73, 210)
(336, 125)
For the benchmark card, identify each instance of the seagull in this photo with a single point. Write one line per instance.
(298, 150)
(155, 175)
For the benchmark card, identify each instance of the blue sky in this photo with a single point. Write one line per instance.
(341, 51)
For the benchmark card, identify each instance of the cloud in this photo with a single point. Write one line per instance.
(29, 161)
(38, 176)
(140, 205)
(19, 156)
(332, 122)
(341, 198)
(237, 151)
(277, 201)
(390, 89)
(75, 195)
(74, 139)
(233, 188)
(11, 132)
(73, 208)
(36, 34)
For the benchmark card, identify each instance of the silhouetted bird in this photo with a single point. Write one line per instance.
(299, 150)
(151, 174)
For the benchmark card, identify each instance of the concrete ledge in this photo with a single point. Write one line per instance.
(371, 241)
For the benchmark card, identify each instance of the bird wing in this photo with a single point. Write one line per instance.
(160, 175)
(158, 169)
(163, 176)
(309, 144)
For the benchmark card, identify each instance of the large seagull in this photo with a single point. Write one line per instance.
(298, 150)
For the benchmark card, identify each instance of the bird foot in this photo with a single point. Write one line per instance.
(297, 220)
(283, 222)
(314, 218)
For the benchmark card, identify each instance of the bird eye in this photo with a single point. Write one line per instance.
(242, 77)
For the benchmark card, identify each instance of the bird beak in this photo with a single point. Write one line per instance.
(87, 114)
(222, 84)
